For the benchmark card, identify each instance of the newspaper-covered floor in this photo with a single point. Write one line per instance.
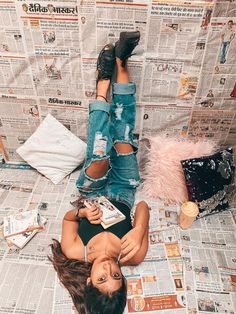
(191, 271)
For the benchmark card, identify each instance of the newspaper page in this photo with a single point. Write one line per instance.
(177, 27)
(87, 21)
(208, 252)
(176, 37)
(51, 33)
(27, 278)
(217, 79)
(19, 117)
(214, 125)
(63, 303)
(15, 75)
(114, 17)
(26, 288)
(165, 119)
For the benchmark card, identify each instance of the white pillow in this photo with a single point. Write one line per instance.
(53, 150)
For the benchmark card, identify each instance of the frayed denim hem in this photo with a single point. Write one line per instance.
(123, 89)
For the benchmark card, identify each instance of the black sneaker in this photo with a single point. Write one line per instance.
(106, 62)
(126, 44)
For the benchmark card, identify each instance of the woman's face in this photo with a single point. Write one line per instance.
(105, 275)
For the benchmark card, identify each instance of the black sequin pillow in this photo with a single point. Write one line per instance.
(210, 181)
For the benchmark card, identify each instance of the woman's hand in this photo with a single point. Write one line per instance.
(131, 243)
(93, 214)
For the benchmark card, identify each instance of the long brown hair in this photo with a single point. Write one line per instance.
(72, 273)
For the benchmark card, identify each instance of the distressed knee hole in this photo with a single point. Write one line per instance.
(124, 148)
(97, 169)
(100, 144)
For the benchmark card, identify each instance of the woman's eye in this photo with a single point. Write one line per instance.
(116, 275)
(101, 278)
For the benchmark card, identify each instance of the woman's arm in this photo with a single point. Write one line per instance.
(134, 244)
(71, 243)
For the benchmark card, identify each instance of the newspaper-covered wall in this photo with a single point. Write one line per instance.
(184, 66)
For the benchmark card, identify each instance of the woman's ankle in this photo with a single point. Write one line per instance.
(102, 89)
(122, 72)
(100, 97)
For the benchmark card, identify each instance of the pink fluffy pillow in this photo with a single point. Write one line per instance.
(163, 175)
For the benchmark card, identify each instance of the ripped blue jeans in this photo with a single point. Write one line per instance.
(108, 125)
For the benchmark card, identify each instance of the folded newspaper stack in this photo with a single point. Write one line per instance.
(111, 215)
(19, 228)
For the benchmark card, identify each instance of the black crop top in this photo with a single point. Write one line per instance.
(87, 230)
